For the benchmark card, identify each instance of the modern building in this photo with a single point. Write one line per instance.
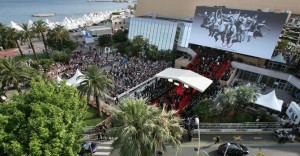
(186, 8)
(274, 72)
(165, 33)
(99, 30)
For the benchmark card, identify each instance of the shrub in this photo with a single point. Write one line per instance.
(60, 56)
(243, 117)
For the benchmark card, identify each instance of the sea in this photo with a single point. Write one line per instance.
(20, 11)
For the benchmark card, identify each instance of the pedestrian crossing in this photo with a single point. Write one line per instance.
(103, 148)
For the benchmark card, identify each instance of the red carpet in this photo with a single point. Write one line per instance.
(7, 53)
(179, 89)
(183, 103)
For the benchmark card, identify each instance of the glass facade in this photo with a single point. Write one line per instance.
(264, 79)
(159, 32)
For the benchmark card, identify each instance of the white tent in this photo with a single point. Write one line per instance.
(73, 81)
(270, 101)
(278, 58)
(15, 26)
(58, 80)
(187, 77)
(88, 38)
(293, 112)
(30, 23)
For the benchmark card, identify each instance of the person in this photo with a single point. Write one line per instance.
(217, 140)
(285, 139)
(281, 138)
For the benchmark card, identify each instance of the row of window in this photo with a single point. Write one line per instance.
(267, 80)
(158, 32)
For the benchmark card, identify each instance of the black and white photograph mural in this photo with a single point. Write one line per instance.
(247, 32)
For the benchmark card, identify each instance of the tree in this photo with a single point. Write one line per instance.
(141, 130)
(14, 72)
(105, 40)
(59, 39)
(41, 28)
(245, 95)
(204, 110)
(283, 44)
(6, 40)
(227, 100)
(139, 44)
(47, 120)
(120, 36)
(27, 34)
(16, 36)
(94, 82)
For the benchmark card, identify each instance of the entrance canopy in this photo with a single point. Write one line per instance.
(270, 101)
(187, 77)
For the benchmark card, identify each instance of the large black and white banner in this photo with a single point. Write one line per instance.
(247, 32)
(293, 112)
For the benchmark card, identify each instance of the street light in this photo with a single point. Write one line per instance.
(228, 144)
(198, 122)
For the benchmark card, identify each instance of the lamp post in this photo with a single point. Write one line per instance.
(198, 122)
(228, 144)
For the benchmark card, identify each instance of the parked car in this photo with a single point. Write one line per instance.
(88, 147)
(233, 149)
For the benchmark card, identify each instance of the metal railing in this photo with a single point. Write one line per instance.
(246, 125)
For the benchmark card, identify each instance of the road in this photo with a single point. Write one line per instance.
(283, 150)
(255, 142)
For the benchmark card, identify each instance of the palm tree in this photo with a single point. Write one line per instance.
(14, 72)
(15, 35)
(41, 28)
(57, 36)
(27, 34)
(227, 100)
(142, 130)
(245, 95)
(95, 83)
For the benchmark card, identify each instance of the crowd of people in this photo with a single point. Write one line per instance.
(128, 73)
(208, 62)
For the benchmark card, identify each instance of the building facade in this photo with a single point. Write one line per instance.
(186, 8)
(165, 34)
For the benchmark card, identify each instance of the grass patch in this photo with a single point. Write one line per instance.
(40, 56)
(91, 118)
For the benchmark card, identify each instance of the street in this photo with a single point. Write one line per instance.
(255, 142)
(283, 150)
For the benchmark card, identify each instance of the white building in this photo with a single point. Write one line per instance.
(165, 33)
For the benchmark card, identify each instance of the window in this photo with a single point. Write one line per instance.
(120, 23)
(116, 23)
(254, 77)
(264, 79)
(270, 82)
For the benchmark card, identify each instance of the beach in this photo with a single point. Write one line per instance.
(20, 11)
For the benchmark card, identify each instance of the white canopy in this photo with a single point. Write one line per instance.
(15, 26)
(270, 101)
(73, 81)
(187, 77)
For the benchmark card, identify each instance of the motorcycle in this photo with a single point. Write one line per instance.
(282, 133)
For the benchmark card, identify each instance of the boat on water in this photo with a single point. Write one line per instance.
(43, 15)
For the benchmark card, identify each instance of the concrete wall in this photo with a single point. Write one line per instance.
(186, 8)
(181, 62)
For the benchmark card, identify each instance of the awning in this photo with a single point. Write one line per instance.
(187, 77)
